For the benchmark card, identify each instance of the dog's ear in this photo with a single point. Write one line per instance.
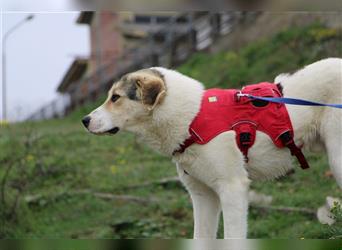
(151, 89)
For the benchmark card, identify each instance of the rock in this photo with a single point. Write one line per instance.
(259, 199)
(324, 215)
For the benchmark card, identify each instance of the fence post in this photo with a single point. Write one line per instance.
(53, 109)
(216, 25)
(192, 33)
(153, 57)
(42, 112)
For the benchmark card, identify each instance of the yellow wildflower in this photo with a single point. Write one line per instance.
(113, 169)
(29, 158)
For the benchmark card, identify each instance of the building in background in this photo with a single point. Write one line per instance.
(121, 42)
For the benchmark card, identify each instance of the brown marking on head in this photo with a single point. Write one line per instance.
(151, 87)
(146, 86)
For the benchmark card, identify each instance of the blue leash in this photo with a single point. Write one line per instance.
(292, 101)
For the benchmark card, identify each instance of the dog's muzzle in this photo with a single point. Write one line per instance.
(86, 122)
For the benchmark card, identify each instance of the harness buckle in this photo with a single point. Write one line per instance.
(239, 94)
(245, 142)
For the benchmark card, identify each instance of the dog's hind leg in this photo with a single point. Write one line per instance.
(334, 151)
(332, 129)
(206, 206)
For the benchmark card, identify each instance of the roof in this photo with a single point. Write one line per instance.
(74, 73)
(85, 17)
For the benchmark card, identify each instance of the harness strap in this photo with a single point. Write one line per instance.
(299, 155)
(187, 143)
(288, 141)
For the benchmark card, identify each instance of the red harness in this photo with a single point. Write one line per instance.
(223, 110)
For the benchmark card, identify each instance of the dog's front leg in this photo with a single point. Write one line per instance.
(234, 202)
(206, 206)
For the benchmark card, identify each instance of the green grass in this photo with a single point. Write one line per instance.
(61, 157)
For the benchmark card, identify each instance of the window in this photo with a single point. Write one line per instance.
(142, 19)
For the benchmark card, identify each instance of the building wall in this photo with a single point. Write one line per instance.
(105, 38)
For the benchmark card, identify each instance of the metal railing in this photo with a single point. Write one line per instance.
(55, 109)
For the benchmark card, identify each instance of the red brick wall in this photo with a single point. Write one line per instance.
(106, 39)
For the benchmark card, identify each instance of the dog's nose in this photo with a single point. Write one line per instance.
(86, 121)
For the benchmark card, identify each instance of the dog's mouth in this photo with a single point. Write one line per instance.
(113, 131)
(110, 131)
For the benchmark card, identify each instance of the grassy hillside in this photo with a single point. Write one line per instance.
(262, 61)
(53, 174)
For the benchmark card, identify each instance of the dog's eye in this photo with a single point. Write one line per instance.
(114, 98)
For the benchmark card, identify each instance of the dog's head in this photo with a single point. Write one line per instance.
(130, 102)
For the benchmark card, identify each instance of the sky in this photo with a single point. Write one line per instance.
(38, 5)
(38, 54)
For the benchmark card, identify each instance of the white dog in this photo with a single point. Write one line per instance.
(159, 104)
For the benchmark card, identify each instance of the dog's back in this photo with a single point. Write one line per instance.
(318, 128)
